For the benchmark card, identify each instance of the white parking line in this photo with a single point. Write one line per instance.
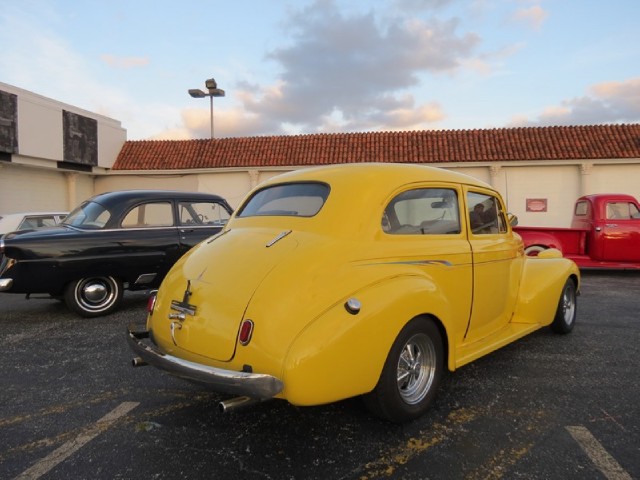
(608, 465)
(72, 446)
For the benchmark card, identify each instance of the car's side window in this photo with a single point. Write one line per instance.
(149, 215)
(485, 214)
(202, 213)
(37, 222)
(422, 211)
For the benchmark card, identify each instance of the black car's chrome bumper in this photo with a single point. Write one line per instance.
(255, 385)
(5, 284)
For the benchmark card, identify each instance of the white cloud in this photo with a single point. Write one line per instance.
(533, 16)
(359, 65)
(124, 62)
(608, 102)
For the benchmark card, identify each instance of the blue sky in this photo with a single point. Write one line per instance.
(324, 66)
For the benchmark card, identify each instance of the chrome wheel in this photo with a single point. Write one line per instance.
(416, 368)
(411, 374)
(566, 313)
(94, 296)
(568, 305)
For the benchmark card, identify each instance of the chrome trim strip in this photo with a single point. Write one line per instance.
(145, 278)
(278, 238)
(445, 263)
(256, 385)
(195, 226)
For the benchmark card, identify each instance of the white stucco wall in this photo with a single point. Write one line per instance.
(558, 185)
(25, 189)
(616, 179)
(160, 181)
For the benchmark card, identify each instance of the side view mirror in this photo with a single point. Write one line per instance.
(513, 220)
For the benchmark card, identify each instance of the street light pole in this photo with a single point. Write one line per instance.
(214, 91)
(211, 110)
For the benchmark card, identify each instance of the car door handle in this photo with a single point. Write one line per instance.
(611, 225)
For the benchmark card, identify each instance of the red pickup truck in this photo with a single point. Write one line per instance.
(604, 233)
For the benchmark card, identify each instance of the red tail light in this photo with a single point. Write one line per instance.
(151, 303)
(246, 330)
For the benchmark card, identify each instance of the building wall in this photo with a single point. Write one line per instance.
(522, 186)
(41, 133)
(556, 186)
(233, 185)
(616, 179)
(24, 189)
(168, 181)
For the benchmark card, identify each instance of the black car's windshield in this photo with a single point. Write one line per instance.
(303, 199)
(89, 215)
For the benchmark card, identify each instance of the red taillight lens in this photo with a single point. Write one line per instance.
(246, 330)
(151, 304)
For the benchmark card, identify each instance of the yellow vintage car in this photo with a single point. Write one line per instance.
(353, 280)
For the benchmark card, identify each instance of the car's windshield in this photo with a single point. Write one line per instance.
(304, 199)
(89, 215)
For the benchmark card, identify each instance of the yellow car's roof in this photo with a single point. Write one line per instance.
(382, 174)
(358, 194)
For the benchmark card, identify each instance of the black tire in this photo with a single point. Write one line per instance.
(411, 374)
(93, 296)
(566, 313)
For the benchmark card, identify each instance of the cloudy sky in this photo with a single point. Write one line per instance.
(324, 66)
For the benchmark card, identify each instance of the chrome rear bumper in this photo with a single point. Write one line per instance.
(255, 385)
(5, 284)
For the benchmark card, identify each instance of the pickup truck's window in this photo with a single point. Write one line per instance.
(622, 211)
(422, 211)
(303, 199)
(202, 213)
(149, 215)
(485, 214)
(582, 208)
(89, 215)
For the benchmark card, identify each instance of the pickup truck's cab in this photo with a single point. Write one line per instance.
(604, 233)
(613, 221)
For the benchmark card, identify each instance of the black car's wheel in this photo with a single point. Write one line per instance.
(93, 296)
(565, 318)
(411, 373)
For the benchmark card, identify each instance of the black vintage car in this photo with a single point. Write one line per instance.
(111, 242)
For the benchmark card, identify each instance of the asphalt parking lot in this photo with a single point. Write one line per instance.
(546, 407)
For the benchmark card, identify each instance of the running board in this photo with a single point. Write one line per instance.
(467, 353)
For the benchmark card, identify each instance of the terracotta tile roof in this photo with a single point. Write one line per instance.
(427, 146)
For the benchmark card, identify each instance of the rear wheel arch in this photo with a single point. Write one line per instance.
(411, 375)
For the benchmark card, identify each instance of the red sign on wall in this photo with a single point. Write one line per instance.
(536, 204)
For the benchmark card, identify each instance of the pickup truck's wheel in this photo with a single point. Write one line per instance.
(93, 296)
(565, 318)
(411, 373)
(534, 250)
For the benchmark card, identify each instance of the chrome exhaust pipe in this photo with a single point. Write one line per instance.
(225, 406)
(138, 362)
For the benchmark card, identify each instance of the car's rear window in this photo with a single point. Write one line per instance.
(302, 199)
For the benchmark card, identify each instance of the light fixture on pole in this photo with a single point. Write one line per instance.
(214, 91)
